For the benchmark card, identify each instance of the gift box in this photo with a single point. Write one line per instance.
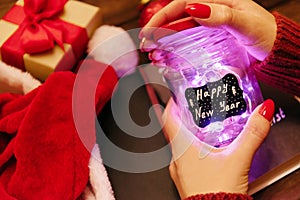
(41, 36)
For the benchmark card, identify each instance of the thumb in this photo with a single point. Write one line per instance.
(178, 136)
(212, 15)
(237, 22)
(171, 120)
(256, 129)
(241, 23)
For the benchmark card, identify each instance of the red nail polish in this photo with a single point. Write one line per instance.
(267, 109)
(141, 35)
(198, 10)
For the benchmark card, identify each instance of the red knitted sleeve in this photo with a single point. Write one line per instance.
(220, 196)
(281, 68)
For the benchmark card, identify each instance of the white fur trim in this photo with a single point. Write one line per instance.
(112, 45)
(101, 186)
(16, 81)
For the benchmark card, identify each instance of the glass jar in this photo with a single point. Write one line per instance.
(208, 73)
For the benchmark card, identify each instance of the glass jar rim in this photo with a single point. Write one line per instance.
(174, 26)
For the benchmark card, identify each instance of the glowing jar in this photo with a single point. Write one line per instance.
(208, 73)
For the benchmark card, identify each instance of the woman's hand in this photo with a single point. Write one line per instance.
(198, 168)
(252, 25)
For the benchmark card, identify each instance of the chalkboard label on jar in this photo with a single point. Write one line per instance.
(216, 101)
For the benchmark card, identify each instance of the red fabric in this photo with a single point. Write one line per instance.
(41, 153)
(220, 196)
(149, 9)
(281, 69)
(39, 30)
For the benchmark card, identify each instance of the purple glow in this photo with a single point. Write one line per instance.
(208, 72)
(244, 115)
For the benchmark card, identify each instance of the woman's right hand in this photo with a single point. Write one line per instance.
(253, 26)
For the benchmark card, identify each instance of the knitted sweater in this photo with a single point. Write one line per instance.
(220, 196)
(281, 68)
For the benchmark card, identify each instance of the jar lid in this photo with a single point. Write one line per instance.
(175, 26)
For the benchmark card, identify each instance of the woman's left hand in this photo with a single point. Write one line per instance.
(198, 168)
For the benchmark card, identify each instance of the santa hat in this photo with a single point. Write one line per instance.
(42, 153)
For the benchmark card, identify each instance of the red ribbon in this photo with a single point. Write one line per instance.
(39, 30)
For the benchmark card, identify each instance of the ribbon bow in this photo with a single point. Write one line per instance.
(41, 28)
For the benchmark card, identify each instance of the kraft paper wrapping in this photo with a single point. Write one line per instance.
(43, 64)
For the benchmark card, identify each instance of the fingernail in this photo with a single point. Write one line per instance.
(267, 109)
(156, 55)
(141, 34)
(147, 45)
(198, 10)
